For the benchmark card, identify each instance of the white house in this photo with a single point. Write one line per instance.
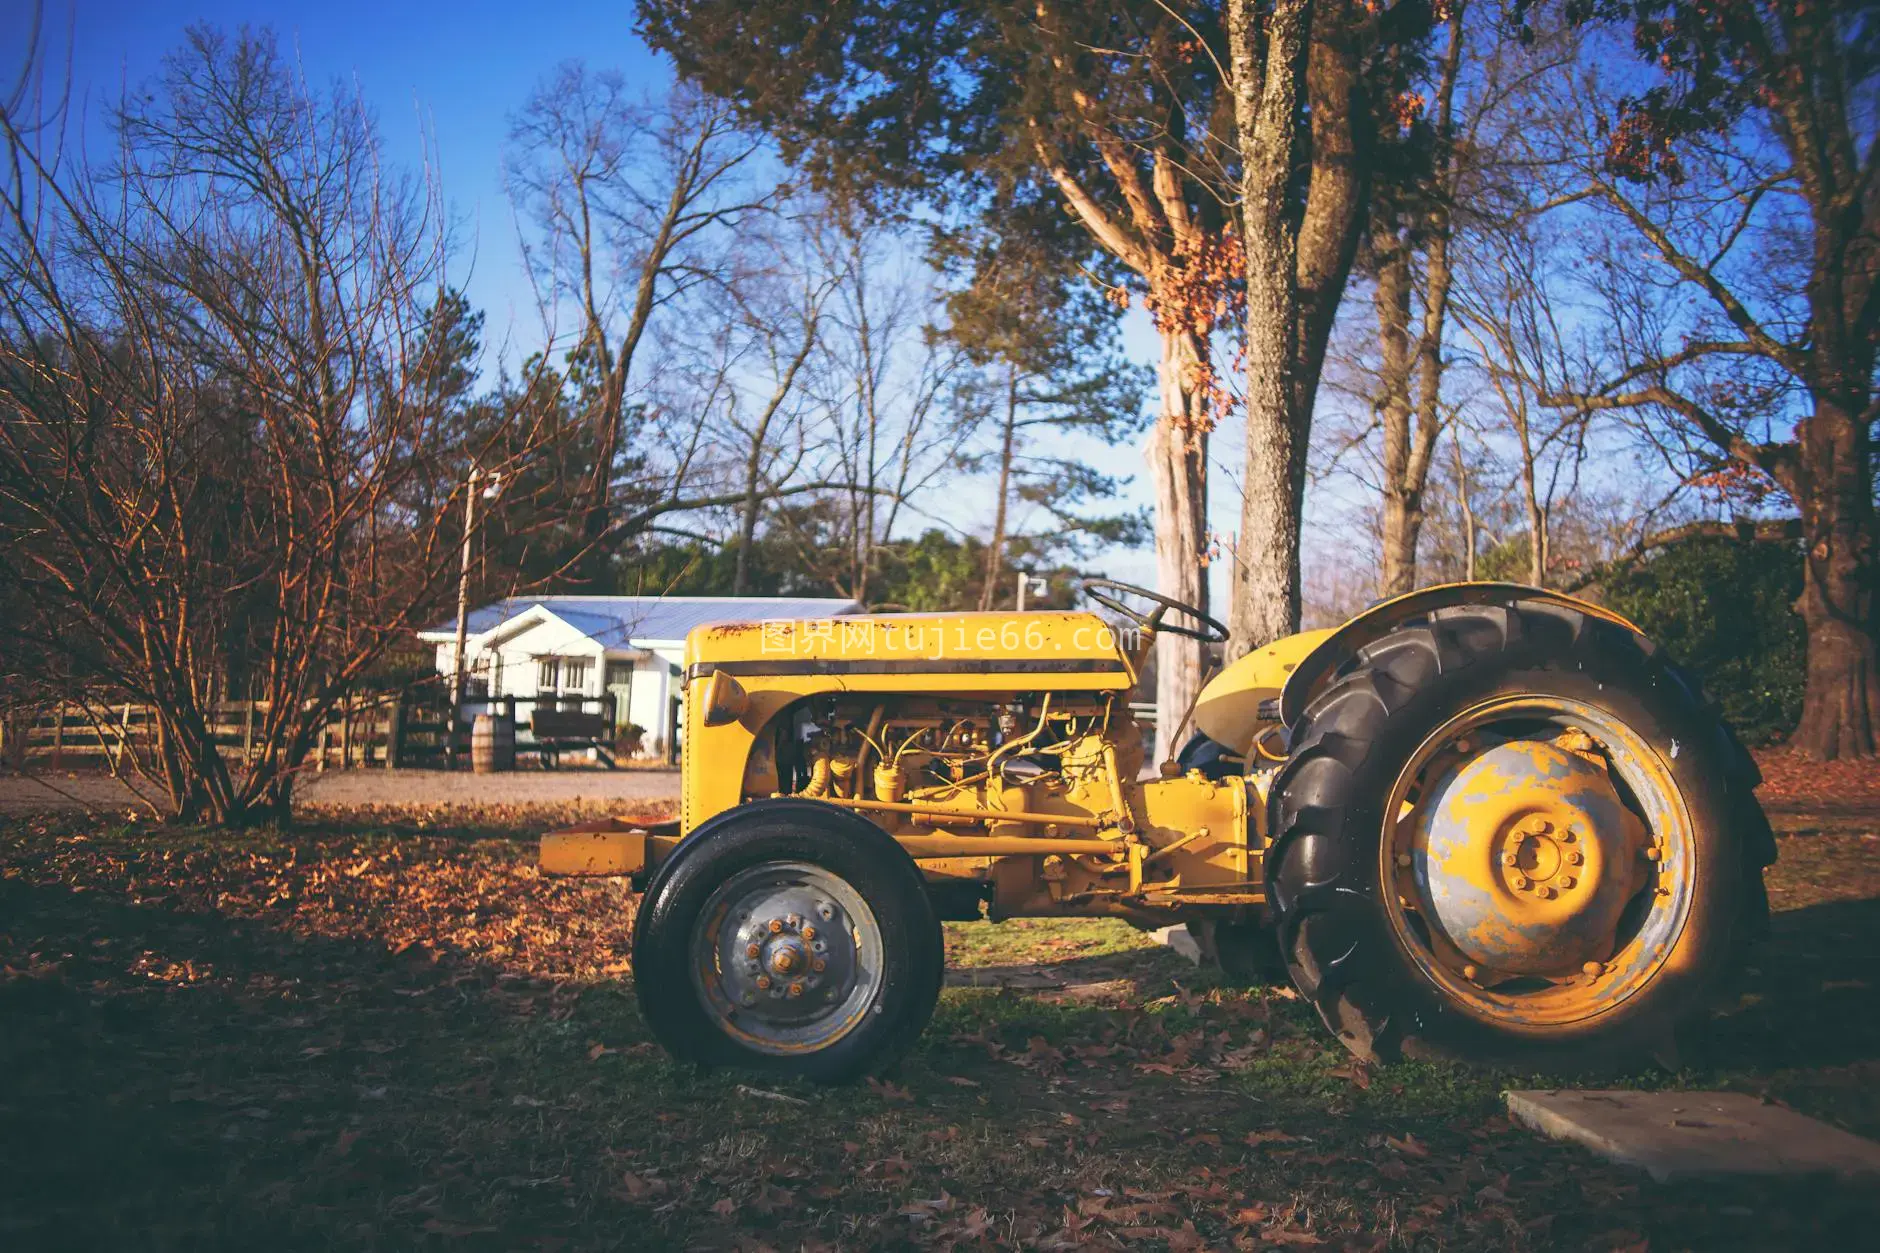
(586, 646)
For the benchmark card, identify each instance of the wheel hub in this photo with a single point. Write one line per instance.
(783, 964)
(1525, 857)
(787, 956)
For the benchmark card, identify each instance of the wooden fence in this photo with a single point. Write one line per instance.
(384, 730)
(387, 731)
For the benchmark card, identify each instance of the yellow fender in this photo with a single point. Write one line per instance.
(1272, 685)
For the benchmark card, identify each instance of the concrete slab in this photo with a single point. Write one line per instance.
(1686, 1135)
(1178, 939)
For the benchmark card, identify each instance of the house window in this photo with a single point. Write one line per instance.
(548, 674)
(619, 673)
(574, 674)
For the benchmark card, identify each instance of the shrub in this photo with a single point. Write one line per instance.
(1722, 607)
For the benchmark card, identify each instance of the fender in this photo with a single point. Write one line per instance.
(1383, 618)
(1274, 684)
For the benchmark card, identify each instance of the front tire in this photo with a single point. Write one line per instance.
(791, 937)
(1513, 834)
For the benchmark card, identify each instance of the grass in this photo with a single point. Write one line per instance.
(362, 1038)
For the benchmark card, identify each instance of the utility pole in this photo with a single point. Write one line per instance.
(463, 597)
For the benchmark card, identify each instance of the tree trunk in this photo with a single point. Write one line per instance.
(1177, 454)
(1412, 425)
(1531, 503)
(1834, 476)
(995, 550)
(1467, 509)
(1294, 69)
(1403, 498)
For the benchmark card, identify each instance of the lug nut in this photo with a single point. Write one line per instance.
(796, 989)
(752, 950)
(1403, 860)
(1511, 859)
(1654, 853)
(809, 933)
(1571, 834)
(1567, 882)
(1575, 858)
(1594, 968)
(776, 926)
(1546, 893)
(1521, 883)
(763, 982)
(819, 965)
(1540, 826)
(1469, 973)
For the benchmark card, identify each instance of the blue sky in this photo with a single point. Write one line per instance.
(444, 78)
(450, 72)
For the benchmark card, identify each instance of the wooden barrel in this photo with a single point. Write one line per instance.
(492, 744)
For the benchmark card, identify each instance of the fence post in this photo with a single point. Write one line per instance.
(58, 735)
(248, 727)
(395, 732)
(124, 741)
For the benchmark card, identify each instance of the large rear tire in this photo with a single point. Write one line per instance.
(792, 937)
(1514, 834)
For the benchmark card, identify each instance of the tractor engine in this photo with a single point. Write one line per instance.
(1030, 803)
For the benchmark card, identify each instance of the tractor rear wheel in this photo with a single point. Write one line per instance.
(788, 936)
(1513, 833)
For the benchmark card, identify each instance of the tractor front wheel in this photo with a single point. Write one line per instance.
(1512, 833)
(792, 937)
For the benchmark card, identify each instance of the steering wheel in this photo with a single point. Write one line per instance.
(1208, 632)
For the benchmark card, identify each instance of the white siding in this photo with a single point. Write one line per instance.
(520, 652)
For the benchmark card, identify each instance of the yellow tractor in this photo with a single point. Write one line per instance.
(1483, 821)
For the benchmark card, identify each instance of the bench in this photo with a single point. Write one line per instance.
(557, 729)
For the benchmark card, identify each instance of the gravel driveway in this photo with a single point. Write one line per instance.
(430, 788)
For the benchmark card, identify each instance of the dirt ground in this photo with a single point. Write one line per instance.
(386, 1030)
(638, 790)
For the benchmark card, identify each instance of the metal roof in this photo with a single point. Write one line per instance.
(614, 620)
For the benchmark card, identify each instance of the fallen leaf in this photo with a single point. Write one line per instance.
(1254, 1139)
(888, 1091)
(638, 1188)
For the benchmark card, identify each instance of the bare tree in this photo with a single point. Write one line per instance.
(632, 205)
(777, 311)
(885, 429)
(1412, 305)
(213, 409)
(1510, 315)
(1749, 179)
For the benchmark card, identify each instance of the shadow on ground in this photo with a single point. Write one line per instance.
(188, 1066)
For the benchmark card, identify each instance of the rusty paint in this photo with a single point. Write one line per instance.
(1524, 861)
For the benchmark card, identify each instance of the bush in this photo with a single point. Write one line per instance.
(1722, 607)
